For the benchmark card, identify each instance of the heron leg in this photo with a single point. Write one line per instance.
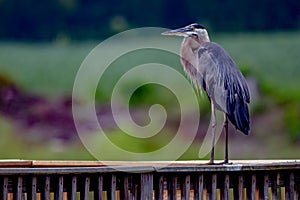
(226, 137)
(213, 129)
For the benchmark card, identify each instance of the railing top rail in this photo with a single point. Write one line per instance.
(77, 167)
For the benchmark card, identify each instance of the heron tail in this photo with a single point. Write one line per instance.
(239, 115)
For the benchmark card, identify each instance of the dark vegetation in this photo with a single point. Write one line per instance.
(81, 19)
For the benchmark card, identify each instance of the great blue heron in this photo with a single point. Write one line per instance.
(210, 67)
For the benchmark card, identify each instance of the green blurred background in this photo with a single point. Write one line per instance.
(42, 44)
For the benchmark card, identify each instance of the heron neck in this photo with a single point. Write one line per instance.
(189, 49)
(203, 40)
(204, 37)
(188, 54)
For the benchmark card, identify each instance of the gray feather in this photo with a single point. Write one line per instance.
(224, 84)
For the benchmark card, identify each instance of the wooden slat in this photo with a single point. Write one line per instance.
(198, 187)
(59, 188)
(125, 190)
(297, 184)
(212, 190)
(134, 187)
(113, 187)
(84, 195)
(172, 187)
(263, 187)
(290, 186)
(46, 189)
(297, 187)
(275, 188)
(4, 192)
(159, 187)
(214, 186)
(225, 188)
(260, 187)
(146, 186)
(32, 188)
(99, 188)
(72, 193)
(266, 186)
(251, 188)
(185, 187)
(18, 188)
(240, 187)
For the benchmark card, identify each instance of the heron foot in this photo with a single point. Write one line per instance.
(210, 163)
(225, 162)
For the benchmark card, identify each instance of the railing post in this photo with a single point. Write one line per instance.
(4, 188)
(290, 186)
(263, 186)
(266, 186)
(18, 188)
(251, 188)
(225, 188)
(198, 187)
(275, 186)
(172, 187)
(111, 193)
(212, 188)
(32, 189)
(125, 189)
(59, 188)
(146, 186)
(186, 187)
(159, 187)
(297, 189)
(46, 189)
(98, 188)
(84, 195)
(73, 190)
(238, 189)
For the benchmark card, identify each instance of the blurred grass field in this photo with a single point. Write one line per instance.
(49, 69)
(273, 58)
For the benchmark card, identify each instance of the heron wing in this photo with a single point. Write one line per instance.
(224, 84)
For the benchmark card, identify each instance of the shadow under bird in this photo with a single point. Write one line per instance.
(211, 68)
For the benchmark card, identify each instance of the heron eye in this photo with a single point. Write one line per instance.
(195, 35)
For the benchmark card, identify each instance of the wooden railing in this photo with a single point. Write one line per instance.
(22, 180)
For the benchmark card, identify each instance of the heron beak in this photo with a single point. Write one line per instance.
(177, 32)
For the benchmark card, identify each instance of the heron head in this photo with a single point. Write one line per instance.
(192, 30)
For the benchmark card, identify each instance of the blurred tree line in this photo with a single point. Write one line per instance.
(81, 19)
